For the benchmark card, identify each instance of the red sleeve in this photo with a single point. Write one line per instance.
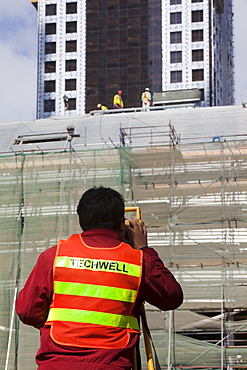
(33, 301)
(159, 287)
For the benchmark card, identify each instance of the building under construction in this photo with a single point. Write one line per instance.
(88, 50)
(187, 170)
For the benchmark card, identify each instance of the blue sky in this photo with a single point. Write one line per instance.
(18, 62)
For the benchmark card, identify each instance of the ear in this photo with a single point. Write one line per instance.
(122, 225)
(121, 231)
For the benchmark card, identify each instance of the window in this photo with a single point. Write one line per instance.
(51, 9)
(197, 74)
(70, 65)
(175, 2)
(176, 37)
(50, 67)
(197, 35)
(70, 84)
(196, 1)
(71, 8)
(197, 16)
(176, 76)
(71, 27)
(197, 55)
(70, 46)
(50, 48)
(49, 86)
(49, 105)
(202, 94)
(176, 18)
(176, 57)
(72, 104)
(50, 28)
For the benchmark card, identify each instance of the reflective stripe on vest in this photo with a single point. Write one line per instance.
(98, 265)
(97, 291)
(93, 317)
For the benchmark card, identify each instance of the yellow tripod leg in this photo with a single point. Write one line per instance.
(150, 361)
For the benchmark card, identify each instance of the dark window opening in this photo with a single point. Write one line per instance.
(176, 18)
(202, 94)
(49, 86)
(175, 2)
(50, 67)
(51, 9)
(197, 55)
(49, 105)
(70, 65)
(197, 35)
(71, 8)
(72, 104)
(197, 16)
(71, 27)
(176, 76)
(71, 46)
(46, 137)
(70, 84)
(50, 48)
(176, 57)
(196, 1)
(197, 74)
(50, 28)
(176, 37)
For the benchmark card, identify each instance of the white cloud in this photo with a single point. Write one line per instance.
(240, 32)
(18, 86)
(18, 45)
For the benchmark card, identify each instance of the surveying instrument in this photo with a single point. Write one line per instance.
(145, 329)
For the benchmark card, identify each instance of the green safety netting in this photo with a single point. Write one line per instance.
(192, 199)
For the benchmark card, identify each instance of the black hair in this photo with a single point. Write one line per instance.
(101, 207)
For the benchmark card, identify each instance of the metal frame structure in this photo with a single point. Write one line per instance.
(192, 198)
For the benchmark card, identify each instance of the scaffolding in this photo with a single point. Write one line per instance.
(193, 201)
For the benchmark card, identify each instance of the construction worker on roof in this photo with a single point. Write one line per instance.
(118, 100)
(85, 294)
(146, 98)
(101, 107)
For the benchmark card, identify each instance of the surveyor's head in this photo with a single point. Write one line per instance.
(101, 208)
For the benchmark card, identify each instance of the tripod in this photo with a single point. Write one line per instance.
(145, 329)
(147, 342)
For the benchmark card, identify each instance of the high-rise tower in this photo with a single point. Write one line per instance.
(89, 49)
(197, 48)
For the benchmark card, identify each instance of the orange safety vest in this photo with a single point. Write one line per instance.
(95, 290)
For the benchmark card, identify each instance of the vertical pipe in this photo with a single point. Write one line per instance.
(10, 330)
(169, 341)
(222, 328)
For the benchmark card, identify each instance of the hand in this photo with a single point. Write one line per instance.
(136, 235)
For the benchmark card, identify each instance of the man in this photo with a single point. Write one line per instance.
(146, 98)
(118, 100)
(85, 294)
(101, 107)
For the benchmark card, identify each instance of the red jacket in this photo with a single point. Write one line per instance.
(158, 287)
